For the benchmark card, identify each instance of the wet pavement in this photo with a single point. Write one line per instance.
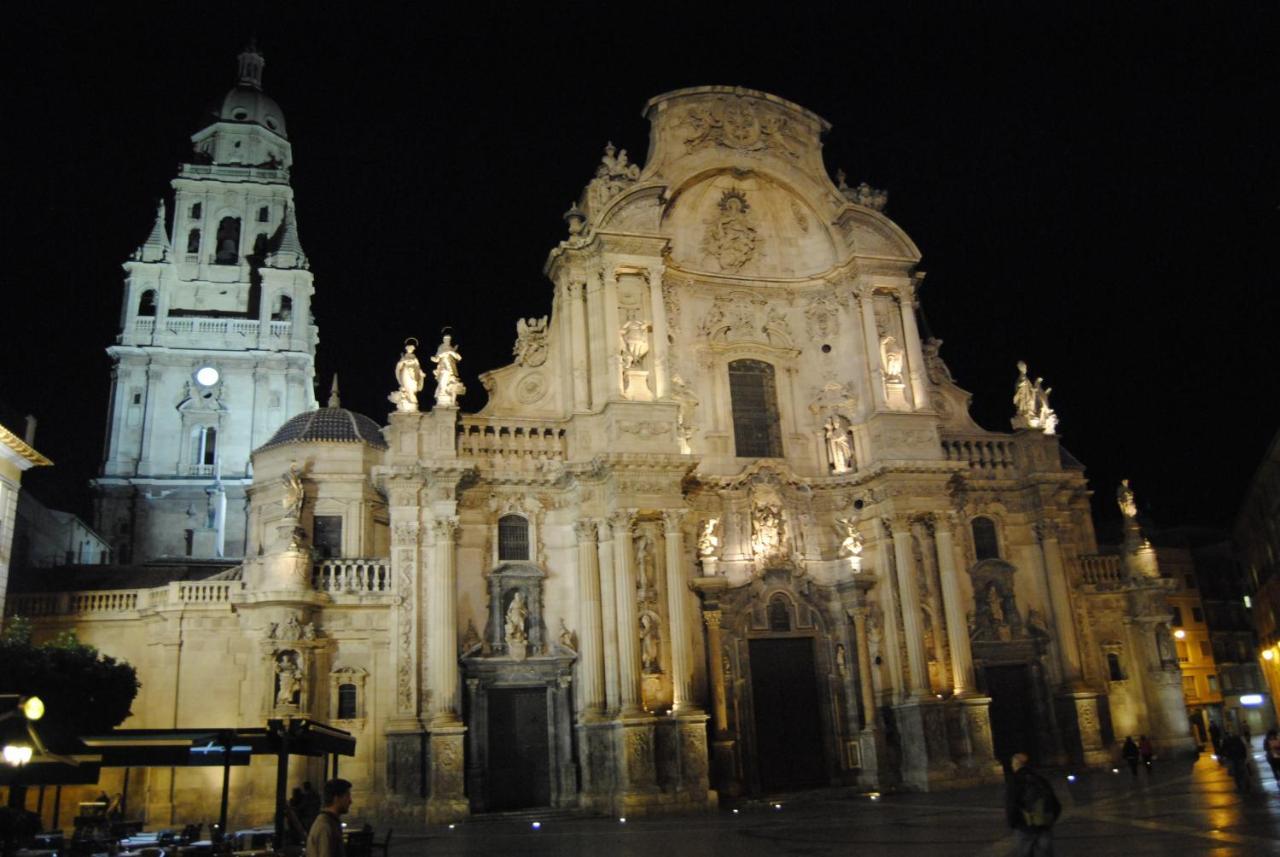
(1183, 809)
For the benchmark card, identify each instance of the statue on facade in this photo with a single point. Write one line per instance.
(995, 606)
(1031, 404)
(766, 529)
(650, 645)
(294, 493)
(851, 543)
(891, 359)
(1046, 418)
(288, 679)
(646, 567)
(1126, 500)
(839, 445)
(531, 341)
(448, 385)
(730, 238)
(683, 394)
(842, 664)
(517, 613)
(635, 342)
(410, 377)
(708, 541)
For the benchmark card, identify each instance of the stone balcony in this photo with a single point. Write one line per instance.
(194, 332)
(986, 454)
(512, 444)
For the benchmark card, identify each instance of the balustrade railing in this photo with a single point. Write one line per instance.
(1101, 570)
(983, 453)
(352, 575)
(198, 593)
(511, 442)
(237, 329)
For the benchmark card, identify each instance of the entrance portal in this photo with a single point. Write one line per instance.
(788, 733)
(1013, 722)
(518, 774)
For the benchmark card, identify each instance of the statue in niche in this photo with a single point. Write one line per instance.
(839, 444)
(683, 394)
(891, 359)
(288, 679)
(995, 606)
(1036, 626)
(650, 645)
(1126, 500)
(531, 341)
(448, 385)
(646, 566)
(294, 493)
(635, 342)
(842, 665)
(410, 377)
(766, 530)
(1165, 646)
(708, 541)
(517, 614)
(730, 238)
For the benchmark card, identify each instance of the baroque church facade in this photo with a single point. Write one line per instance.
(724, 526)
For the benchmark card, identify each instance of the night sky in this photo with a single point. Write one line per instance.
(1094, 191)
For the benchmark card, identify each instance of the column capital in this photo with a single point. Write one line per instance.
(445, 529)
(712, 618)
(585, 531)
(1047, 530)
(621, 521)
(896, 524)
(672, 519)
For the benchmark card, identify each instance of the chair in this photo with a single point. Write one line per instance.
(384, 846)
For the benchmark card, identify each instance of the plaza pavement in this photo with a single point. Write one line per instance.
(1184, 809)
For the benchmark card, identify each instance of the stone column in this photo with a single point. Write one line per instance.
(608, 613)
(909, 590)
(579, 345)
(447, 800)
(915, 354)
(962, 676)
(1060, 603)
(661, 349)
(724, 771)
(677, 613)
(611, 338)
(591, 633)
(924, 530)
(866, 308)
(889, 607)
(628, 617)
(864, 667)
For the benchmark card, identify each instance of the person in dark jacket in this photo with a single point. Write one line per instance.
(1236, 754)
(1147, 753)
(1130, 753)
(325, 838)
(1032, 809)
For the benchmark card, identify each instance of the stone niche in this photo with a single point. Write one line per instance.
(515, 627)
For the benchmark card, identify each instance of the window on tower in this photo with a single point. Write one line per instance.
(284, 310)
(513, 538)
(197, 210)
(147, 303)
(754, 399)
(264, 214)
(228, 241)
(327, 536)
(193, 241)
(204, 448)
(985, 543)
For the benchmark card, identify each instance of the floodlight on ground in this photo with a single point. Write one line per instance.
(17, 754)
(1268, 654)
(1071, 778)
(537, 825)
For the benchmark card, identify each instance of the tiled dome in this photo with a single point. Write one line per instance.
(328, 425)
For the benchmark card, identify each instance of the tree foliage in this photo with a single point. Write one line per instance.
(84, 691)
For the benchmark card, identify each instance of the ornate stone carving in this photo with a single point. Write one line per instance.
(643, 428)
(708, 540)
(739, 123)
(405, 533)
(585, 530)
(635, 342)
(1126, 500)
(531, 341)
(731, 239)
(568, 639)
(531, 388)
(934, 367)
(650, 644)
(768, 530)
(671, 303)
(802, 219)
(864, 194)
(777, 330)
(683, 394)
(1031, 403)
(288, 682)
(448, 384)
(404, 623)
(891, 359)
(516, 616)
(839, 444)
(851, 542)
(294, 492)
(834, 398)
(445, 529)
(614, 174)
(822, 317)
(409, 377)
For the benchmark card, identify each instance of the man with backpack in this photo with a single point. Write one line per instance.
(1032, 808)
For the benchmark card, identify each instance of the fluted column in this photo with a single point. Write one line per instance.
(909, 591)
(864, 666)
(919, 390)
(866, 308)
(715, 668)
(442, 624)
(591, 634)
(661, 348)
(957, 624)
(579, 346)
(677, 612)
(1064, 622)
(608, 613)
(628, 617)
(889, 607)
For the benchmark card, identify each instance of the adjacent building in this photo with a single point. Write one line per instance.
(724, 526)
(17, 455)
(1257, 543)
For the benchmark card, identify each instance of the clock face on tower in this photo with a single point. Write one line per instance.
(207, 376)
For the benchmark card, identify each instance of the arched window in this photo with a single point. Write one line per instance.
(779, 615)
(204, 446)
(347, 702)
(1113, 667)
(985, 544)
(264, 214)
(228, 252)
(513, 538)
(193, 241)
(197, 210)
(754, 399)
(284, 312)
(147, 303)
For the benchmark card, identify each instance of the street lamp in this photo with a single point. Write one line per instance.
(17, 754)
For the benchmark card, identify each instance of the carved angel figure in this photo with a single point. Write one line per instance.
(410, 377)
(531, 341)
(851, 544)
(448, 385)
(1126, 500)
(708, 541)
(294, 493)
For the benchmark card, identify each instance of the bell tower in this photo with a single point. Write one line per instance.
(217, 344)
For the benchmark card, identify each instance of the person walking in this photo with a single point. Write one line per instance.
(1236, 754)
(1130, 754)
(1146, 752)
(1271, 746)
(1031, 807)
(325, 838)
(1215, 738)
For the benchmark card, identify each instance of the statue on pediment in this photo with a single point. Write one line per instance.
(410, 377)
(448, 385)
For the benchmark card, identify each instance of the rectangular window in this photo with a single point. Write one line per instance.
(1189, 686)
(196, 211)
(753, 396)
(264, 214)
(1177, 617)
(327, 536)
(1213, 684)
(1182, 651)
(347, 702)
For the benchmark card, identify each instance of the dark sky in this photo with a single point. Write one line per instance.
(1093, 189)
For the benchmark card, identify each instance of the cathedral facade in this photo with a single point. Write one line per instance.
(724, 526)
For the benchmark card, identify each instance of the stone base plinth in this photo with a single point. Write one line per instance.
(925, 751)
(447, 800)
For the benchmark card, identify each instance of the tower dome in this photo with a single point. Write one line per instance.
(246, 102)
(328, 425)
